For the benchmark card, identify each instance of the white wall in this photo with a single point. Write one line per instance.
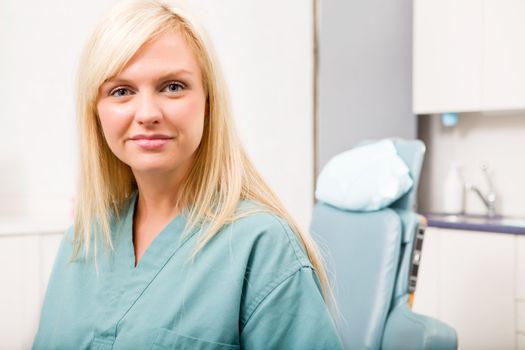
(495, 138)
(266, 48)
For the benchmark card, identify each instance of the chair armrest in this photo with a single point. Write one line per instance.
(407, 330)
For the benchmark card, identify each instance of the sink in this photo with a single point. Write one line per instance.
(512, 222)
(482, 222)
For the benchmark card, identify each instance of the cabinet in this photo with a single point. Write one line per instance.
(25, 266)
(504, 54)
(468, 55)
(447, 55)
(467, 279)
(520, 290)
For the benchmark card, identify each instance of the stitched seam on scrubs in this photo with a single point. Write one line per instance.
(280, 279)
(299, 254)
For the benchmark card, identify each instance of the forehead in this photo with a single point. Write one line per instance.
(168, 51)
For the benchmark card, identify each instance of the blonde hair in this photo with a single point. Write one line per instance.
(222, 174)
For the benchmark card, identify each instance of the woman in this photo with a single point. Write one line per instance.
(177, 242)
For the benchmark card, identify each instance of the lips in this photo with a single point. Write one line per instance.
(151, 142)
(150, 137)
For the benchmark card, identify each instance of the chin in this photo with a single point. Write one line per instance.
(153, 166)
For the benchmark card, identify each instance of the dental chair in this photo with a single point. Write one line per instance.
(374, 257)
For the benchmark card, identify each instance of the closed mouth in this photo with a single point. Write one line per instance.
(150, 137)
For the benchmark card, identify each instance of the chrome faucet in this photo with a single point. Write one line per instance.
(490, 198)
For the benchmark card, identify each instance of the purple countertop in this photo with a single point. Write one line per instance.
(500, 224)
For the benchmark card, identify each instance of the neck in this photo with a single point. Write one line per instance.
(158, 194)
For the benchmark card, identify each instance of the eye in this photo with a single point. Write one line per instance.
(174, 86)
(119, 92)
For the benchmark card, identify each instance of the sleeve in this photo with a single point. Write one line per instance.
(292, 315)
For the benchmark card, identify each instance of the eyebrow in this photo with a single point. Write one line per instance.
(165, 76)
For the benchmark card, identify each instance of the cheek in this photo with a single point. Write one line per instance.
(189, 116)
(114, 120)
(198, 122)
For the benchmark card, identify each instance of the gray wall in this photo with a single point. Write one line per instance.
(364, 87)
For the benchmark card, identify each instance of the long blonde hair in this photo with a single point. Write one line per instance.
(222, 174)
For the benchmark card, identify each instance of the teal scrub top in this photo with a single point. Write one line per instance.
(251, 287)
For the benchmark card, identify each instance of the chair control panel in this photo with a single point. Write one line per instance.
(416, 257)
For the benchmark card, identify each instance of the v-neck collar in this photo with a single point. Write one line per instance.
(123, 283)
(160, 249)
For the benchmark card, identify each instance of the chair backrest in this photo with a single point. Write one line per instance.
(364, 251)
(413, 153)
(370, 255)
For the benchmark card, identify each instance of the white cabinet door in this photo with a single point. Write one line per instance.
(19, 295)
(504, 54)
(520, 308)
(472, 286)
(520, 268)
(521, 341)
(25, 265)
(447, 55)
(520, 291)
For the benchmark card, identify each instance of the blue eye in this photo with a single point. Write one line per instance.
(119, 92)
(174, 87)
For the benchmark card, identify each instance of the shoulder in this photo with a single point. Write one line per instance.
(271, 255)
(65, 253)
(263, 233)
(66, 243)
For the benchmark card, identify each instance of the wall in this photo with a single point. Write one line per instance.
(269, 69)
(266, 48)
(365, 74)
(495, 138)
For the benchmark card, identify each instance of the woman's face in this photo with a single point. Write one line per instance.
(152, 113)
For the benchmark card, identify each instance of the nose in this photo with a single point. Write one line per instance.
(148, 110)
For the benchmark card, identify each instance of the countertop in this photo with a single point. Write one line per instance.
(499, 224)
(30, 225)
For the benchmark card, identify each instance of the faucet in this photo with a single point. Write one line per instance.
(490, 198)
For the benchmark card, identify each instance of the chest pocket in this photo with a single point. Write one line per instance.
(167, 339)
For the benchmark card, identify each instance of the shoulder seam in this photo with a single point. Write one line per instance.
(276, 282)
(301, 256)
